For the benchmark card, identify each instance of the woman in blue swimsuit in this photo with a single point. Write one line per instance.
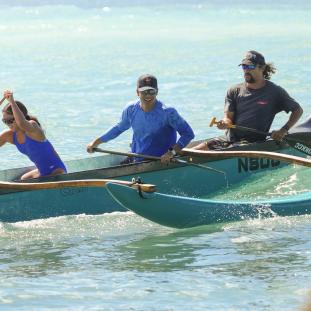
(26, 134)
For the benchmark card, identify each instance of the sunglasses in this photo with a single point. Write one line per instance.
(248, 67)
(8, 121)
(149, 92)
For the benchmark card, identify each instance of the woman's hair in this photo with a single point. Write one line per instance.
(8, 109)
(269, 71)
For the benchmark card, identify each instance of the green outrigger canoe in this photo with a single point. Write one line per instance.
(182, 212)
(23, 204)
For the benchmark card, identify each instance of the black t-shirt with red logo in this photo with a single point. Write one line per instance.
(256, 108)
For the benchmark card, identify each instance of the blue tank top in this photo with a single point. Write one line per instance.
(41, 153)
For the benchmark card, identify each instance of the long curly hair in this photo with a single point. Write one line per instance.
(269, 70)
(8, 109)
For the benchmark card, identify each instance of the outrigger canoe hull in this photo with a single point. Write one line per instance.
(182, 212)
(178, 179)
(41, 204)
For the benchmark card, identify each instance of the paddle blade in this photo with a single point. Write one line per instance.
(300, 141)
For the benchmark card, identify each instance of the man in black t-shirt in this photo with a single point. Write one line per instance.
(254, 104)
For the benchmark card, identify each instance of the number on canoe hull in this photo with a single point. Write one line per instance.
(251, 164)
(303, 148)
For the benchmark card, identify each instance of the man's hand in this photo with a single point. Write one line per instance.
(167, 157)
(279, 134)
(90, 147)
(224, 124)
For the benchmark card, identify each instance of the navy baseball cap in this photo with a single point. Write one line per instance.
(147, 82)
(253, 58)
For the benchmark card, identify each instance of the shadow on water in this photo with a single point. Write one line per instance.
(118, 243)
(70, 245)
(251, 249)
(165, 252)
(263, 266)
(31, 250)
(36, 260)
(44, 247)
(259, 248)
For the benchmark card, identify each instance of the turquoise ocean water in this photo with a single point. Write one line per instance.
(75, 65)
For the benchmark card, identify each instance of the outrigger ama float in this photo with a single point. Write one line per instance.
(84, 189)
(183, 212)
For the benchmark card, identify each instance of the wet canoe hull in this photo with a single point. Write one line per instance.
(183, 212)
(176, 179)
(28, 205)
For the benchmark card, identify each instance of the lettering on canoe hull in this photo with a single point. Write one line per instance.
(303, 148)
(72, 191)
(251, 164)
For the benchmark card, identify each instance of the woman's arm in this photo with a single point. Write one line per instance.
(6, 137)
(29, 126)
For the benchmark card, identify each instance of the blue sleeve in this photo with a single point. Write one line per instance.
(123, 125)
(181, 126)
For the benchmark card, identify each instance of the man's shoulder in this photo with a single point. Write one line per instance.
(236, 88)
(132, 103)
(273, 85)
(160, 105)
(169, 110)
(132, 106)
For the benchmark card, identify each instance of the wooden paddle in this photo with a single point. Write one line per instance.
(248, 154)
(2, 100)
(299, 141)
(73, 183)
(149, 157)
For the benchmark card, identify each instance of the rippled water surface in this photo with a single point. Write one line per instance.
(75, 64)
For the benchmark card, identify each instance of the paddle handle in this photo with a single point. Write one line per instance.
(127, 154)
(2, 100)
(299, 141)
(242, 128)
(143, 156)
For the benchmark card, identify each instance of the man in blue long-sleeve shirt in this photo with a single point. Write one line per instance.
(154, 126)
